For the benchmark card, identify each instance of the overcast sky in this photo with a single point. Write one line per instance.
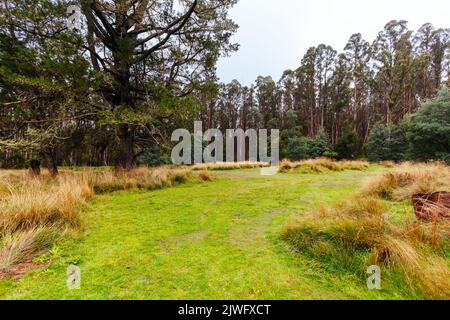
(275, 34)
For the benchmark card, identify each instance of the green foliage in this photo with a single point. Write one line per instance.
(386, 143)
(154, 156)
(297, 149)
(428, 131)
(300, 148)
(319, 145)
(349, 146)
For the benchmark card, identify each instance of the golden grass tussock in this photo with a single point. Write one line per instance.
(205, 176)
(322, 165)
(388, 164)
(139, 178)
(222, 166)
(39, 202)
(408, 179)
(358, 232)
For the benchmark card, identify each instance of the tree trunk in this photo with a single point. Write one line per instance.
(35, 167)
(51, 164)
(127, 158)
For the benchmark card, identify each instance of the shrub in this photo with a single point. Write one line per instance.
(154, 156)
(319, 145)
(297, 149)
(301, 148)
(428, 131)
(386, 143)
(349, 146)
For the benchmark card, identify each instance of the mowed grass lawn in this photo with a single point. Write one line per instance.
(214, 240)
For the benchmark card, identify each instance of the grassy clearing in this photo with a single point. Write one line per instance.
(364, 230)
(219, 240)
(322, 165)
(34, 210)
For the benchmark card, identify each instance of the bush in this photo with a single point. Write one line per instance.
(308, 148)
(386, 143)
(428, 131)
(349, 146)
(154, 156)
(319, 145)
(297, 149)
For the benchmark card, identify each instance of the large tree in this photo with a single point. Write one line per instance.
(135, 46)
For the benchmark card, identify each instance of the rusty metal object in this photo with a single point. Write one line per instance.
(432, 205)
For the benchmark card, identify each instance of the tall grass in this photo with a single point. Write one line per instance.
(222, 166)
(33, 208)
(408, 179)
(359, 232)
(322, 165)
(19, 247)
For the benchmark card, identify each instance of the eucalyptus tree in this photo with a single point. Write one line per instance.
(357, 54)
(431, 47)
(286, 86)
(306, 91)
(324, 66)
(267, 99)
(394, 64)
(341, 113)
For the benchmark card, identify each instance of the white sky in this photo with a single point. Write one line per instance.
(275, 34)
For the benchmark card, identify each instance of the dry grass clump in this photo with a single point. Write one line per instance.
(321, 165)
(40, 202)
(388, 164)
(229, 166)
(205, 176)
(139, 178)
(408, 179)
(357, 224)
(22, 246)
(357, 233)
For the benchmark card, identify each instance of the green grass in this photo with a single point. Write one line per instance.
(215, 240)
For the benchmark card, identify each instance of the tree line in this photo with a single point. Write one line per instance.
(338, 104)
(112, 92)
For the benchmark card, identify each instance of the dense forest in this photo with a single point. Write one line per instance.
(112, 92)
